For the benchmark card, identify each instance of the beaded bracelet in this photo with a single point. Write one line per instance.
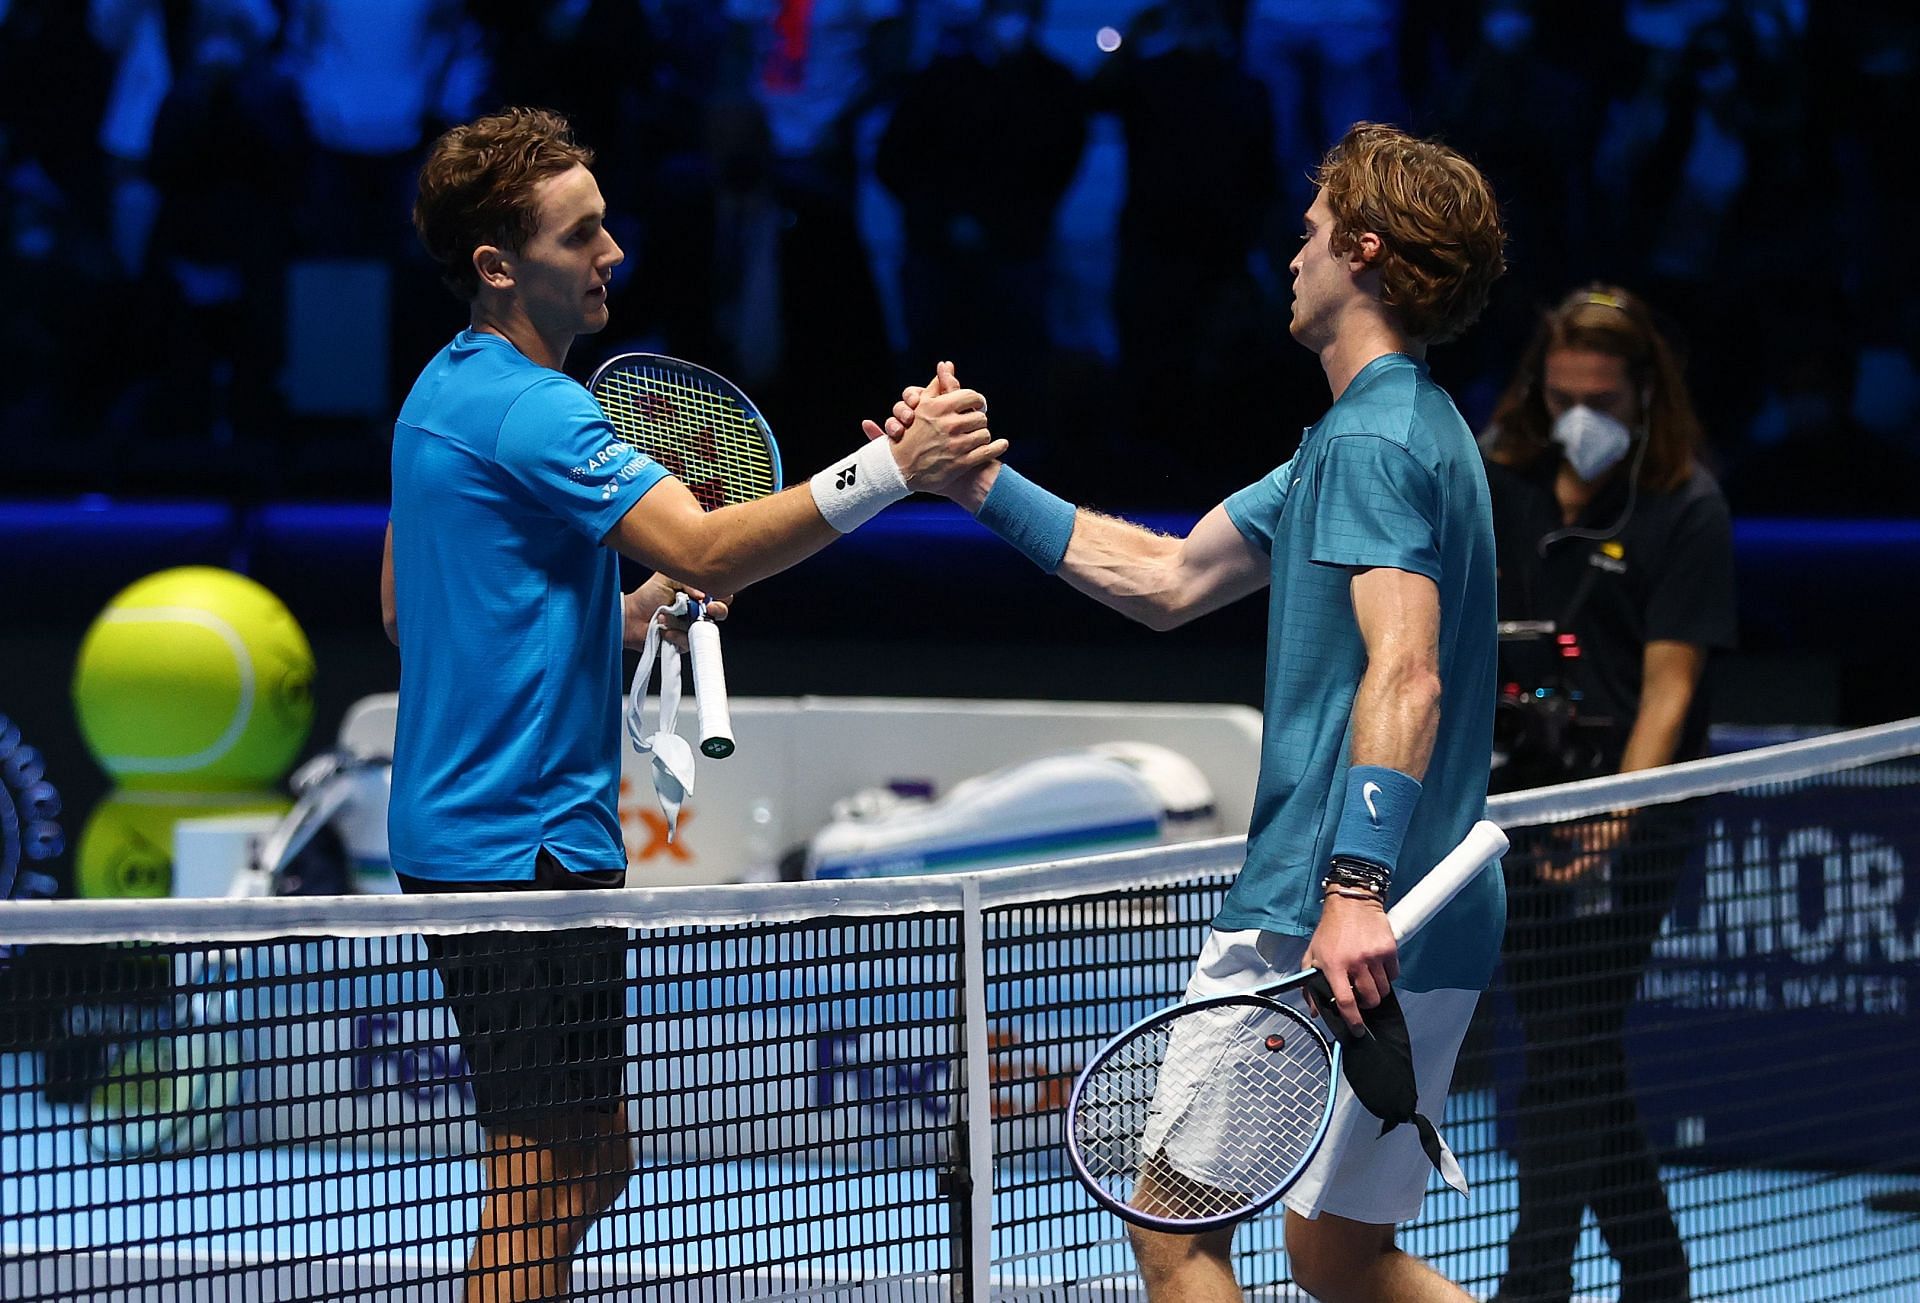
(1345, 871)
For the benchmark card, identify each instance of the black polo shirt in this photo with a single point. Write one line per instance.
(1663, 573)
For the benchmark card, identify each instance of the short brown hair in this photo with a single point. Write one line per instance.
(1436, 218)
(1601, 318)
(477, 186)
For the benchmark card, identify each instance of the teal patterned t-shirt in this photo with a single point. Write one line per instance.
(1390, 476)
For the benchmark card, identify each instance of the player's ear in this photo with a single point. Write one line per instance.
(493, 266)
(1368, 250)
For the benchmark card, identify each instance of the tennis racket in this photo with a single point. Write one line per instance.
(1209, 1110)
(169, 1091)
(711, 437)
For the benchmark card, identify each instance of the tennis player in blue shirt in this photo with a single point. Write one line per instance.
(512, 503)
(1376, 540)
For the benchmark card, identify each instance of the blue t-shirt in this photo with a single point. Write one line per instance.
(506, 476)
(1389, 477)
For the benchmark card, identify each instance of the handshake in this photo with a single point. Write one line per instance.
(940, 439)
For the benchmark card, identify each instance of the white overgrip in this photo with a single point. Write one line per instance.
(1483, 844)
(710, 688)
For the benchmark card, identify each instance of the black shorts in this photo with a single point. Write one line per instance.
(542, 1015)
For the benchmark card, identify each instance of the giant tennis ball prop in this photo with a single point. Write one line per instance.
(194, 679)
(126, 849)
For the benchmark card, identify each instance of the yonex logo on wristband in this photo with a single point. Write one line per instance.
(846, 496)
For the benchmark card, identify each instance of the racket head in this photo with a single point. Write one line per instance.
(1204, 1113)
(166, 1093)
(168, 1090)
(696, 423)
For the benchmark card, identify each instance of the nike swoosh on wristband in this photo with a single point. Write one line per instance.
(1366, 794)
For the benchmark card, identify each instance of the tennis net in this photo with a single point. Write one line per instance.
(854, 1090)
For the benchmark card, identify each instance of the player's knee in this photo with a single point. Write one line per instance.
(1328, 1277)
(1333, 1259)
(591, 1177)
(1163, 1257)
(1152, 1252)
(614, 1166)
(581, 1181)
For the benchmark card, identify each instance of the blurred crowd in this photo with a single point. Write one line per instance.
(1088, 206)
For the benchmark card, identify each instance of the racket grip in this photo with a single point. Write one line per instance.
(1483, 844)
(710, 687)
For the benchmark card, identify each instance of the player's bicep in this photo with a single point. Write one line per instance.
(1219, 565)
(1398, 613)
(1396, 712)
(664, 530)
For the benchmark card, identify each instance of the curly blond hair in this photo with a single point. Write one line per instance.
(1438, 223)
(477, 186)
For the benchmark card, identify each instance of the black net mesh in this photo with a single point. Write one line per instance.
(1689, 1082)
(711, 1113)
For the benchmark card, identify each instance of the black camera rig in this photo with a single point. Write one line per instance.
(1541, 732)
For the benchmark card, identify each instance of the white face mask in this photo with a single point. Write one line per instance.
(1593, 442)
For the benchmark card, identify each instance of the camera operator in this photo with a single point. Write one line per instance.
(1616, 583)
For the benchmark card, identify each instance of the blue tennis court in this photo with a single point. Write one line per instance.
(300, 1219)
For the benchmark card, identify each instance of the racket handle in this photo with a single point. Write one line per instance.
(710, 687)
(1444, 881)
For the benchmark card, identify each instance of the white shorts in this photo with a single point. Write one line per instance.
(1358, 1174)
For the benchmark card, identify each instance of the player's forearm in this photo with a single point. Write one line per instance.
(1155, 579)
(1128, 568)
(727, 549)
(1396, 715)
(742, 544)
(1115, 562)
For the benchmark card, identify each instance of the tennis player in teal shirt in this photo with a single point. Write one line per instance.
(1388, 478)
(1376, 540)
(512, 504)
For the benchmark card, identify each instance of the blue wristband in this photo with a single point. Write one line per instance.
(1374, 818)
(1034, 521)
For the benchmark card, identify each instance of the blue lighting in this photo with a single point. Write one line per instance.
(47, 529)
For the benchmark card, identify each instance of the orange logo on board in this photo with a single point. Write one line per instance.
(645, 830)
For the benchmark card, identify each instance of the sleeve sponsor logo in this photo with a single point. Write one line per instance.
(626, 464)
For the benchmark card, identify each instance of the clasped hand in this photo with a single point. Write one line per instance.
(940, 435)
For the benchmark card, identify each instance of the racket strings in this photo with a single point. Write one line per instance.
(703, 436)
(1207, 1115)
(167, 1089)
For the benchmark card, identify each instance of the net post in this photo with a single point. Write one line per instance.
(973, 950)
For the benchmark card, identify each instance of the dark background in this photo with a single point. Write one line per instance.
(216, 301)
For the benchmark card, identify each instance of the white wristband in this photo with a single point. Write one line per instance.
(858, 487)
